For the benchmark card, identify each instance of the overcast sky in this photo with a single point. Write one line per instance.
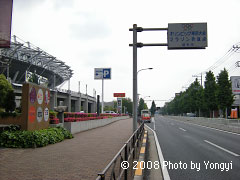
(94, 34)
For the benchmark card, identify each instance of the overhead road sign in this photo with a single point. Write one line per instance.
(102, 73)
(180, 36)
(187, 35)
(118, 94)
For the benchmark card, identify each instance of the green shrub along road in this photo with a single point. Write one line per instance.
(14, 138)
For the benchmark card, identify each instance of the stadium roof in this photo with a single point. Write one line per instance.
(24, 56)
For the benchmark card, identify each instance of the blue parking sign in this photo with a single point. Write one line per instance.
(107, 73)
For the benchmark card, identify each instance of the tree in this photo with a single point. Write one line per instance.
(5, 86)
(210, 92)
(10, 103)
(196, 97)
(7, 100)
(153, 108)
(224, 93)
(112, 106)
(34, 78)
(109, 108)
(127, 102)
(142, 105)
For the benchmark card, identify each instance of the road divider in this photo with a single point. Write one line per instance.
(204, 126)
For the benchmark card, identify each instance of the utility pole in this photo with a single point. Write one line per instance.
(198, 77)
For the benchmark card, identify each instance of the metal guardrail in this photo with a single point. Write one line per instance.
(232, 125)
(127, 154)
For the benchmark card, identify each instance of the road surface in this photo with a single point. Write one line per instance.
(195, 152)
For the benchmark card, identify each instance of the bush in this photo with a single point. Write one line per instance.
(7, 114)
(53, 114)
(10, 103)
(12, 127)
(15, 138)
(7, 100)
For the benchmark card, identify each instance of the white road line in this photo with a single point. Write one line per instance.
(154, 123)
(230, 152)
(182, 129)
(160, 156)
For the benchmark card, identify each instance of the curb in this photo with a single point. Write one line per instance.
(160, 155)
(139, 169)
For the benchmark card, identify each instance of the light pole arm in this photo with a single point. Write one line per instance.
(144, 69)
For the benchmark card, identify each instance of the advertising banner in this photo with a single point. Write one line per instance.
(35, 106)
(5, 23)
(118, 94)
(119, 105)
(235, 84)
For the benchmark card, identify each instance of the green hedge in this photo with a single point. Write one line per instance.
(31, 139)
(7, 114)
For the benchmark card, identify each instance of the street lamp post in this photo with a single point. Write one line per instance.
(144, 69)
(135, 97)
(146, 97)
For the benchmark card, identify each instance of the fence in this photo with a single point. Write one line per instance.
(121, 166)
(232, 125)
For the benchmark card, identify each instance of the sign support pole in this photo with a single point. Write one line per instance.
(200, 27)
(134, 77)
(102, 95)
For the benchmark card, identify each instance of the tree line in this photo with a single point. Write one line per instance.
(215, 96)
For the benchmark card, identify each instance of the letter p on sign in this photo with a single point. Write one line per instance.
(107, 73)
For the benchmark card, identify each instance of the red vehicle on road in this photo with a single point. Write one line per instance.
(145, 116)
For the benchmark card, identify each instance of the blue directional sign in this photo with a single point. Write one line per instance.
(102, 73)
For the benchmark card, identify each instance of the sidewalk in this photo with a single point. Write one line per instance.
(80, 158)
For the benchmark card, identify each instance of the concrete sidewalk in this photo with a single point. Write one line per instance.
(80, 158)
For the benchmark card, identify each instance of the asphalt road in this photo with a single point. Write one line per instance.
(196, 152)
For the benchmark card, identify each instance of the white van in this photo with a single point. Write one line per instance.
(109, 112)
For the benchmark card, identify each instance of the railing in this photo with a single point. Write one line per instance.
(121, 166)
(232, 125)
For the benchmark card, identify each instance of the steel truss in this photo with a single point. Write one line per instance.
(24, 57)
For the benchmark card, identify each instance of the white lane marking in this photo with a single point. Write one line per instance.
(206, 127)
(160, 156)
(230, 152)
(182, 129)
(154, 124)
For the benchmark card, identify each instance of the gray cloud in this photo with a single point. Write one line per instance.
(26, 4)
(97, 57)
(58, 4)
(29, 4)
(89, 27)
